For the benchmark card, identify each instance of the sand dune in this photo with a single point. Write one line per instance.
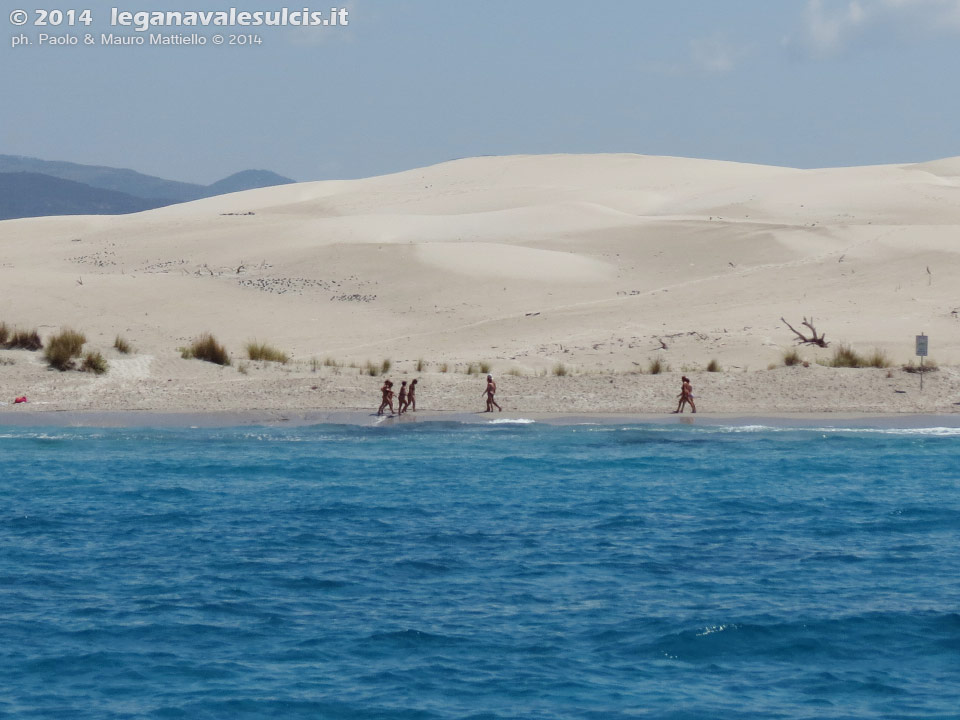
(596, 261)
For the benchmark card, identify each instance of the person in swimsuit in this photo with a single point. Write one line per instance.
(402, 398)
(387, 393)
(490, 391)
(412, 395)
(686, 396)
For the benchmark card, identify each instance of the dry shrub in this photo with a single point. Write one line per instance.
(792, 357)
(63, 348)
(929, 365)
(714, 366)
(560, 370)
(208, 349)
(24, 340)
(657, 366)
(95, 363)
(846, 356)
(267, 353)
(878, 359)
(122, 345)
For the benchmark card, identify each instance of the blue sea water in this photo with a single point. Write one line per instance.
(438, 570)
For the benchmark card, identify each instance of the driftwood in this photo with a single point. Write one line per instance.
(803, 339)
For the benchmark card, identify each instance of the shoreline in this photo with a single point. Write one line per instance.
(365, 418)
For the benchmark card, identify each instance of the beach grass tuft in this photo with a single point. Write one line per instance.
(714, 366)
(560, 370)
(371, 369)
(473, 369)
(206, 348)
(122, 346)
(385, 366)
(485, 367)
(243, 368)
(421, 364)
(263, 352)
(878, 359)
(24, 340)
(94, 362)
(792, 357)
(4, 333)
(929, 365)
(63, 348)
(657, 366)
(845, 356)
(515, 372)
(444, 367)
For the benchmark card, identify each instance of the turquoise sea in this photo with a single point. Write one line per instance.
(484, 571)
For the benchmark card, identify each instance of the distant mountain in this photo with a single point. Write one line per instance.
(127, 185)
(106, 178)
(24, 194)
(247, 180)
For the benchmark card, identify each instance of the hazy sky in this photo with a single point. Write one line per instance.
(805, 83)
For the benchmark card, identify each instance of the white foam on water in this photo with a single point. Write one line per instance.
(923, 431)
(507, 421)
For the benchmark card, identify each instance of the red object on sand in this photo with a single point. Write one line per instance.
(21, 399)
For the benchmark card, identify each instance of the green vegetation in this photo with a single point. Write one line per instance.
(206, 348)
(95, 363)
(63, 348)
(267, 353)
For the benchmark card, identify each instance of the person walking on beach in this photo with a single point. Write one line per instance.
(402, 398)
(412, 395)
(387, 394)
(686, 396)
(490, 391)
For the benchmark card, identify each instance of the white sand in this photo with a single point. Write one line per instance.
(522, 262)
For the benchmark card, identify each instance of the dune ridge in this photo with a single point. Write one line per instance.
(598, 262)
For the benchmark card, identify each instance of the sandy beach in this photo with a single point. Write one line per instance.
(566, 275)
